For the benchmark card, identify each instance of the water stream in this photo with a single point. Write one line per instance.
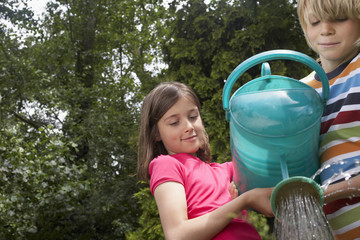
(301, 217)
(299, 214)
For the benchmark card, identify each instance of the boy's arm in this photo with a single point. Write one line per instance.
(344, 189)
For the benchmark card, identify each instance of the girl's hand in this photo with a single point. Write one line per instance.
(234, 193)
(259, 199)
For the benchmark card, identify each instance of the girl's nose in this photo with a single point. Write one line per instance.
(189, 126)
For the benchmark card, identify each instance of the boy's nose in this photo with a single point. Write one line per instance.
(327, 28)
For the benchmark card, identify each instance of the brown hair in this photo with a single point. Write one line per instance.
(328, 10)
(155, 105)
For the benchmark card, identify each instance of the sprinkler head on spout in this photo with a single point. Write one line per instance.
(299, 185)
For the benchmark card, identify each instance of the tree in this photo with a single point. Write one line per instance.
(69, 106)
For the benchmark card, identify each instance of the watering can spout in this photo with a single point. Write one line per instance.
(295, 185)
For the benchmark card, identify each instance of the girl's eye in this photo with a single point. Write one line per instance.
(194, 117)
(174, 123)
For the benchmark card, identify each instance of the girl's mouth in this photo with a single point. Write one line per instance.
(191, 138)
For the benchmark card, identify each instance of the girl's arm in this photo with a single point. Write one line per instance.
(344, 189)
(171, 201)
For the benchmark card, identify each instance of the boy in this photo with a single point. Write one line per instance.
(332, 30)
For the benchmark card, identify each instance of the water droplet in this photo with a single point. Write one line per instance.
(357, 162)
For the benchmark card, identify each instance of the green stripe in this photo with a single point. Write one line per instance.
(345, 133)
(345, 219)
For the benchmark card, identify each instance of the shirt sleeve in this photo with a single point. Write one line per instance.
(165, 169)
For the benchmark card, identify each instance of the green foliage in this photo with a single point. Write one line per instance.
(36, 180)
(261, 224)
(21, 16)
(69, 105)
(150, 226)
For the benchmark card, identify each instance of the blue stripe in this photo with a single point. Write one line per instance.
(339, 168)
(351, 82)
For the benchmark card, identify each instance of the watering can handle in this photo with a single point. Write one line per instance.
(273, 55)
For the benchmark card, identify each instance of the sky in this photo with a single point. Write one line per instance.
(38, 6)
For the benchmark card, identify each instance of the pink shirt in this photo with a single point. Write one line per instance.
(206, 188)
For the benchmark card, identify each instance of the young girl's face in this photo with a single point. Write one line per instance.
(333, 40)
(181, 128)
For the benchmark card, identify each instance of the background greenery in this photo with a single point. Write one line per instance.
(71, 84)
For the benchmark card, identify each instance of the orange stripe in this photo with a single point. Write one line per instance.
(351, 67)
(352, 234)
(314, 84)
(339, 149)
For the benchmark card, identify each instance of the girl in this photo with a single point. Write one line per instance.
(190, 192)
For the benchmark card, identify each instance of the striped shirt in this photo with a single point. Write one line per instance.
(340, 143)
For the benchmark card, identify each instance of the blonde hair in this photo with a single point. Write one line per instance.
(155, 105)
(328, 10)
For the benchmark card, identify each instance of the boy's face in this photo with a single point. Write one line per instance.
(181, 129)
(333, 40)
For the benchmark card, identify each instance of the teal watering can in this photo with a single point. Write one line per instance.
(274, 124)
